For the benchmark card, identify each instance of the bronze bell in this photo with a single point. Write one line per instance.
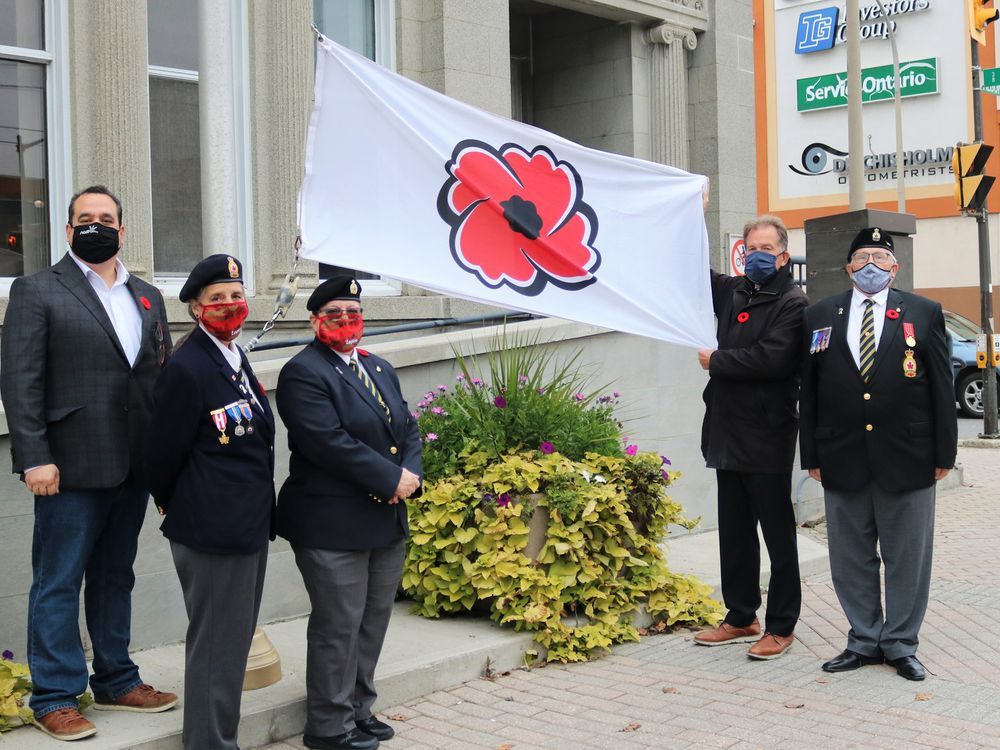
(263, 662)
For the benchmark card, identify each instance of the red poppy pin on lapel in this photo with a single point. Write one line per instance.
(743, 317)
(146, 303)
(892, 314)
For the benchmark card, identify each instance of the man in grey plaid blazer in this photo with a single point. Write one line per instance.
(83, 343)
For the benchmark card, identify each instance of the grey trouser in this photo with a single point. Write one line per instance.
(903, 526)
(351, 592)
(222, 598)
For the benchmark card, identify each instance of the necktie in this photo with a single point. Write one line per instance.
(370, 387)
(867, 358)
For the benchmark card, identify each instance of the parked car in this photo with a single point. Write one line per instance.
(968, 377)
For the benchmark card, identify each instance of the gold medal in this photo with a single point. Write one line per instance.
(224, 439)
(909, 364)
(910, 341)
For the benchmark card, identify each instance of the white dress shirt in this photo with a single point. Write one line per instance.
(231, 353)
(352, 357)
(857, 312)
(119, 305)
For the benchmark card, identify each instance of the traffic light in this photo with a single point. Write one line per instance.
(971, 185)
(981, 14)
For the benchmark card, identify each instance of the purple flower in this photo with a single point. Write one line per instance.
(631, 450)
(522, 379)
(616, 394)
(415, 414)
(423, 404)
(477, 381)
(431, 437)
(429, 395)
(460, 377)
(8, 655)
(488, 498)
(442, 388)
(665, 475)
(579, 397)
(665, 460)
(503, 500)
(437, 410)
(540, 391)
(546, 447)
(500, 402)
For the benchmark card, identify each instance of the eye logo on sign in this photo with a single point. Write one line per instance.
(817, 30)
(816, 159)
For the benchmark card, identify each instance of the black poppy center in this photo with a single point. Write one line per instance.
(522, 216)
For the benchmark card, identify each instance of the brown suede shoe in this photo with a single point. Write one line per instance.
(771, 646)
(144, 699)
(727, 633)
(65, 724)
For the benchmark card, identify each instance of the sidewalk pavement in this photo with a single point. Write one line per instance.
(666, 692)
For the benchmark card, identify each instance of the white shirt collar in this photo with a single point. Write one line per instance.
(879, 298)
(347, 357)
(121, 273)
(230, 351)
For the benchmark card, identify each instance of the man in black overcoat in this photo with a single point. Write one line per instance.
(355, 458)
(879, 429)
(748, 437)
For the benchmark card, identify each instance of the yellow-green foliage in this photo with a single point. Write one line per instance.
(600, 562)
(15, 684)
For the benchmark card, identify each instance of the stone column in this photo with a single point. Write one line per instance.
(110, 115)
(281, 93)
(668, 97)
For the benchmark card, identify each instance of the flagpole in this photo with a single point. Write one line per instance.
(855, 127)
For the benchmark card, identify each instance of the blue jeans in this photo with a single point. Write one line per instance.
(78, 533)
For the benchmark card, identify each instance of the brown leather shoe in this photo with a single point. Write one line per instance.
(727, 633)
(65, 724)
(771, 646)
(143, 699)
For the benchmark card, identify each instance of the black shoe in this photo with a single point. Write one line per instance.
(353, 740)
(376, 728)
(850, 660)
(909, 667)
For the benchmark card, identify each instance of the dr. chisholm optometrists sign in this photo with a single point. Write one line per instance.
(803, 85)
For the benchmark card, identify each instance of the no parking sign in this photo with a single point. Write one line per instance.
(737, 255)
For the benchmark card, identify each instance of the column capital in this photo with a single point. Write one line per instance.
(668, 33)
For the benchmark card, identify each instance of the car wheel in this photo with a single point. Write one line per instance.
(970, 395)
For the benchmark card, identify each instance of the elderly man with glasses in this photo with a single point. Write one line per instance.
(878, 430)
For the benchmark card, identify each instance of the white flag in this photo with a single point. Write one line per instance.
(408, 183)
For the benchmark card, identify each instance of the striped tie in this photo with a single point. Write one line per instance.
(867, 358)
(370, 387)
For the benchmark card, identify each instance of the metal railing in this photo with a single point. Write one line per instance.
(799, 269)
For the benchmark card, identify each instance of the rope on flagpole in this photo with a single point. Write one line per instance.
(284, 299)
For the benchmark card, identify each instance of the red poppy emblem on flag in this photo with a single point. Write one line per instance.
(518, 218)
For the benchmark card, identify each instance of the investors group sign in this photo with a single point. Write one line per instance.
(802, 98)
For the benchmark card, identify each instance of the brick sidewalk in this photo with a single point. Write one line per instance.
(664, 692)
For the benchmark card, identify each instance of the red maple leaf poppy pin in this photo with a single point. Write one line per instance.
(518, 218)
(146, 303)
(892, 314)
(743, 317)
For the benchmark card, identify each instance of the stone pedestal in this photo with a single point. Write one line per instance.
(829, 238)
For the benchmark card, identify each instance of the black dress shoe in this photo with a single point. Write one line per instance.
(909, 667)
(353, 740)
(376, 728)
(850, 660)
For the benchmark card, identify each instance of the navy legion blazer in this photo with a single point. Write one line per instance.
(894, 430)
(345, 454)
(218, 494)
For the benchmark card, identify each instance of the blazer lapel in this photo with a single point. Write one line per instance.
(381, 382)
(258, 402)
(72, 278)
(345, 371)
(147, 319)
(841, 315)
(890, 328)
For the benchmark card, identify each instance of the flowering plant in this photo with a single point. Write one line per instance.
(536, 507)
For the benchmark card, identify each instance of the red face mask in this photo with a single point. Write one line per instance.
(339, 334)
(224, 320)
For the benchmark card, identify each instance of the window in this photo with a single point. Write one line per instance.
(32, 166)
(365, 26)
(175, 142)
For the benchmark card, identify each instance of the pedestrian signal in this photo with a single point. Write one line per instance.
(971, 185)
(981, 14)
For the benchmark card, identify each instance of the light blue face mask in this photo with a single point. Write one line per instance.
(871, 279)
(760, 267)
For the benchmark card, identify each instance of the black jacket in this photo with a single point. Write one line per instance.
(70, 395)
(346, 457)
(218, 496)
(913, 423)
(750, 401)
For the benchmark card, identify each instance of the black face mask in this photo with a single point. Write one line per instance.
(94, 243)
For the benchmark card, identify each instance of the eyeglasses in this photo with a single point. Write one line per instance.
(879, 257)
(336, 312)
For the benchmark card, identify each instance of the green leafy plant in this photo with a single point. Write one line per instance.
(521, 455)
(15, 684)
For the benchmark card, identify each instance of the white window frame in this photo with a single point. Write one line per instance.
(59, 156)
(171, 285)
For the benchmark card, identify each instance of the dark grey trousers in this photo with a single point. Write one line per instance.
(903, 526)
(351, 592)
(222, 598)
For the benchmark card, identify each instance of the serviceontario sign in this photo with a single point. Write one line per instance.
(805, 82)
